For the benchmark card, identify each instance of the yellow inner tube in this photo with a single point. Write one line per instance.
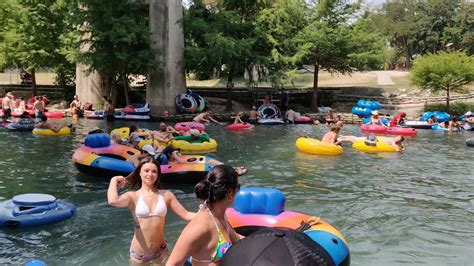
(149, 141)
(48, 132)
(379, 146)
(124, 132)
(195, 148)
(314, 146)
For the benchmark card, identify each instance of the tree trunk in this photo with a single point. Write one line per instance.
(447, 99)
(407, 53)
(314, 100)
(229, 86)
(34, 90)
(125, 90)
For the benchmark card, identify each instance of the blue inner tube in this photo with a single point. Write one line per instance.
(30, 210)
(361, 112)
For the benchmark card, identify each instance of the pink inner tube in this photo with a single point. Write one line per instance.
(239, 126)
(401, 131)
(54, 114)
(302, 119)
(186, 126)
(373, 128)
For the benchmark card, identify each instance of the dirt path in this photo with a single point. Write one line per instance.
(383, 78)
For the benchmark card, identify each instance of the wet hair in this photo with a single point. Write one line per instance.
(134, 181)
(216, 184)
(132, 129)
(400, 140)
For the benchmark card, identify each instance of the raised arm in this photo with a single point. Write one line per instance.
(177, 208)
(113, 197)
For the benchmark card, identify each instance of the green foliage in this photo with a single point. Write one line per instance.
(443, 71)
(118, 36)
(457, 109)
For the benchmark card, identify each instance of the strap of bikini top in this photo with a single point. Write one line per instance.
(204, 205)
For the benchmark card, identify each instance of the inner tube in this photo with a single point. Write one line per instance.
(373, 128)
(54, 114)
(95, 115)
(361, 112)
(239, 127)
(440, 116)
(264, 208)
(32, 209)
(418, 124)
(122, 115)
(136, 109)
(48, 132)
(271, 121)
(372, 105)
(190, 173)
(186, 126)
(378, 146)
(22, 125)
(195, 148)
(302, 120)
(185, 103)
(403, 131)
(383, 120)
(267, 111)
(314, 146)
(470, 142)
(201, 104)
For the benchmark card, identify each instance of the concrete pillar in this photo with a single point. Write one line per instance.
(88, 87)
(167, 37)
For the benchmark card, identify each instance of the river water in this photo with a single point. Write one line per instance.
(411, 208)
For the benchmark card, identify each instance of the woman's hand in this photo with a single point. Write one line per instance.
(120, 180)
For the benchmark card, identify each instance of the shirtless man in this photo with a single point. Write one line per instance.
(432, 120)
(290, 115)
(109, 111)
(331, 136)
(205, 117)
(75, 108)
(165, 134)
(38, 107)
(54, 126)
(253, 115)
(7, 105)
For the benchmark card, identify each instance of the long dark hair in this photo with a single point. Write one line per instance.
(132, 129)
(134, 181)
(216, 184)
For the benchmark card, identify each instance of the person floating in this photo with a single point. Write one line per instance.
(375, 119)
(209, 235)
(206, 117)
(238, 118)
(371, 140)
(331, 136)
(54, 126)
(148, 205)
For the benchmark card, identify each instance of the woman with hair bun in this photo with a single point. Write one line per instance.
(209, 235)
(148, 205)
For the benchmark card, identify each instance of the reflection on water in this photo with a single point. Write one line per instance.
(414, 207)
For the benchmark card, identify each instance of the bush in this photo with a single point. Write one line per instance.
(455, 109)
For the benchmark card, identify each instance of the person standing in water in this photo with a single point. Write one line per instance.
(148, 205)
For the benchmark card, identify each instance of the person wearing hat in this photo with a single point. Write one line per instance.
(468, 121)
(147, 151)
(7, 106)
(375, 119)
(172, 155)
(398, 120)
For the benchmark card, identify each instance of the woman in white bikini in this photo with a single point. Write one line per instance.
(148, 205)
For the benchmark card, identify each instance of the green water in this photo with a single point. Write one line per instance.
(412, 208)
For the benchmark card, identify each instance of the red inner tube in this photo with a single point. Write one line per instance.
(401, 131)
(373, 128)
(239, 126)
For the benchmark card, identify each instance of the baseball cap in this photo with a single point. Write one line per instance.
(375, 112)
(469, 113)
(149, 149)
(194, 132)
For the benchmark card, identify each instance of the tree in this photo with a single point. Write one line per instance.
(446, 71)
(225, 37)
(397, 21)
(119, 39)
(35, 32)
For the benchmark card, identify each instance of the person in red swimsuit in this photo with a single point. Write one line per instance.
(398, 119)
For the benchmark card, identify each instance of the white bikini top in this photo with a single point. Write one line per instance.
(142, 210)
